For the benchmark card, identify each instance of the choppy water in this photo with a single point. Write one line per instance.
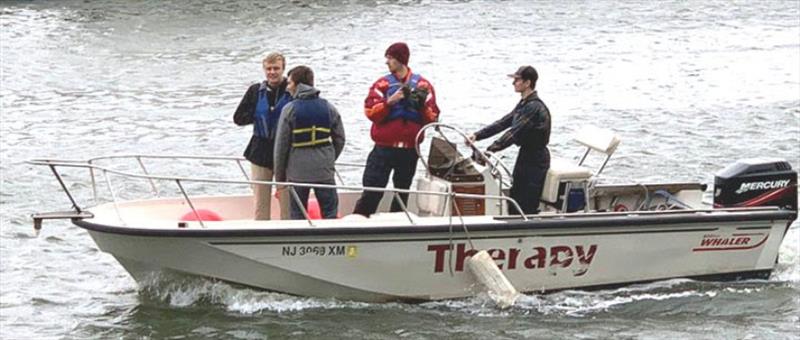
(690, 87)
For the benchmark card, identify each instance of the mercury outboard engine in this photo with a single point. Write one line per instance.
(756, 182)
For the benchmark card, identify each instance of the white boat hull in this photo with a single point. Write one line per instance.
(426, 262)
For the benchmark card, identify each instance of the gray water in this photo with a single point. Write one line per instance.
(689, 86)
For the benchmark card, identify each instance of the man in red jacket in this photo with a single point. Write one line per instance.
(398, 104)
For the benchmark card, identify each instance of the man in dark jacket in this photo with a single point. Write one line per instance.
(261, 106)
(528, 127)
(309, 140)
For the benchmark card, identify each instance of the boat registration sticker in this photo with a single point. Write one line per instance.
(352, 251)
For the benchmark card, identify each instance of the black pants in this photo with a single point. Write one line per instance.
(381, 162)
(529, 173)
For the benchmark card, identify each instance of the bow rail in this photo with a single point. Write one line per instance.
(91, 164)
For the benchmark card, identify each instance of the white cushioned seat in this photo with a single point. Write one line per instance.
(562, 171)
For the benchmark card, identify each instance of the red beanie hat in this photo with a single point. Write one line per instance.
(399, 51)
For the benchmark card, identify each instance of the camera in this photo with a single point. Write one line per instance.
(415, 98)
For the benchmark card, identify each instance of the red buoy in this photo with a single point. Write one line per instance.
(205, 215)
(314, 212)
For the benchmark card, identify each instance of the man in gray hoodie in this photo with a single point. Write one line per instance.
(309, 139)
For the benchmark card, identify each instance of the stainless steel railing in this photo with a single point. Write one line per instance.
(93, 168)
(140, 157)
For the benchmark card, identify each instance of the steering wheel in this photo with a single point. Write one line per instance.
(492, 161)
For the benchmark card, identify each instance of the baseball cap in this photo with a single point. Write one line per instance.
(526, 72)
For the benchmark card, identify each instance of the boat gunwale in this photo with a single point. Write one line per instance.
(533, 224)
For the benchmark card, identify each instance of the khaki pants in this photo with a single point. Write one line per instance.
(262, 195)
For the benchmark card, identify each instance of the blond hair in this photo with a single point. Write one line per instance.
(274, 57)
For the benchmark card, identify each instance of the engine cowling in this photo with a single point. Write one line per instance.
(756, 182)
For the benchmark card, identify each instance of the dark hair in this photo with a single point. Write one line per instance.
(302, 75)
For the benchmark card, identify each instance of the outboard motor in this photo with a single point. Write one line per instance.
(756, 182)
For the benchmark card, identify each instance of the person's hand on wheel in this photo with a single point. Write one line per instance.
(470, 139)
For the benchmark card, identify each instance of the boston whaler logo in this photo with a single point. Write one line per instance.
(561, 256)
(762, 185)
(743, 241)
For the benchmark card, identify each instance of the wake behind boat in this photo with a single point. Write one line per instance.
(588, 235)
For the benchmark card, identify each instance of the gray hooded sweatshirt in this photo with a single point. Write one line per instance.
(307, 164)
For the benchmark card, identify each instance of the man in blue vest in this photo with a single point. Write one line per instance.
(309, 140)
(261, 106)
(529, 128)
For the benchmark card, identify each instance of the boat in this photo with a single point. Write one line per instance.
(589, 234)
